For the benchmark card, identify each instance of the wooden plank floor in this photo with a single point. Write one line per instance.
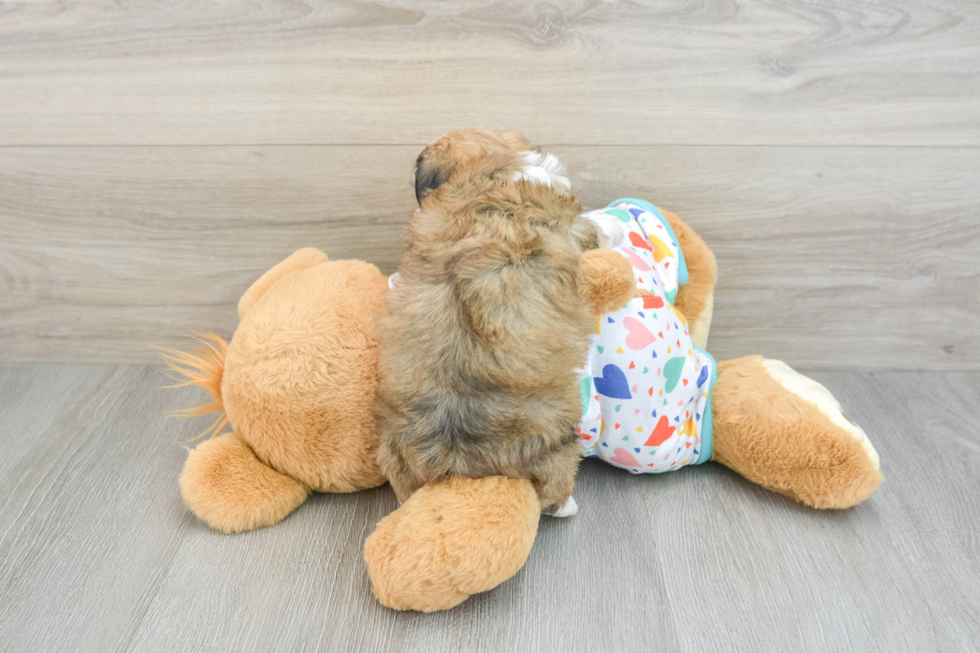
(802, 72)
(98, 553)
(157, 158)
(832, 258)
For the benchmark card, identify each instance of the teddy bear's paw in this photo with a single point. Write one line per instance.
(225, 485)
(607, 281)
(820, 397)
(450, 540)
(787, 432)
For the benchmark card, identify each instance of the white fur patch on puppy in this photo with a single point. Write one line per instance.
(570, 508)
(611, 229)
(814, 393)
(541, 168)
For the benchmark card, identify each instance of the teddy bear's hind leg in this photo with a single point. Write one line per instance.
(818, 395)
(787, 433)
(696, 299)
(450, 540)
(225, 485)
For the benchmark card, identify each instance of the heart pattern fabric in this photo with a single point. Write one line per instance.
(648, 385)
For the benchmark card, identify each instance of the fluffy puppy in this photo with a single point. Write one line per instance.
(485, 326)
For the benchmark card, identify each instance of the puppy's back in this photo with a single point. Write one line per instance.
(483, 334)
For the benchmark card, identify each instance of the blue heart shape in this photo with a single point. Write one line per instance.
(636, 212)
(612, 383)
(636, 449)
(703, 377)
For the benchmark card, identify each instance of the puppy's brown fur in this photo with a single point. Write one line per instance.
(485, 326)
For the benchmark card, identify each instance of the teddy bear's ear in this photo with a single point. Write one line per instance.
(432, 169)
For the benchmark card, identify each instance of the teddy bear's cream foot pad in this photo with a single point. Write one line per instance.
(787, 433)
(819, 396)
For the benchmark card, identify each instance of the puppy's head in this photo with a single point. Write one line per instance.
(474, 161)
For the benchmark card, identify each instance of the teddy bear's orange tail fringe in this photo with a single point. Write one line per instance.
(203, 368)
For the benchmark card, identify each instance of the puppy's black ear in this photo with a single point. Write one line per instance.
(430, 173)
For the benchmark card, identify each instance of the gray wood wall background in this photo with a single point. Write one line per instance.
(156, 158)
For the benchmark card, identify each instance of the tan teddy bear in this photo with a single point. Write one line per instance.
(297, 381)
